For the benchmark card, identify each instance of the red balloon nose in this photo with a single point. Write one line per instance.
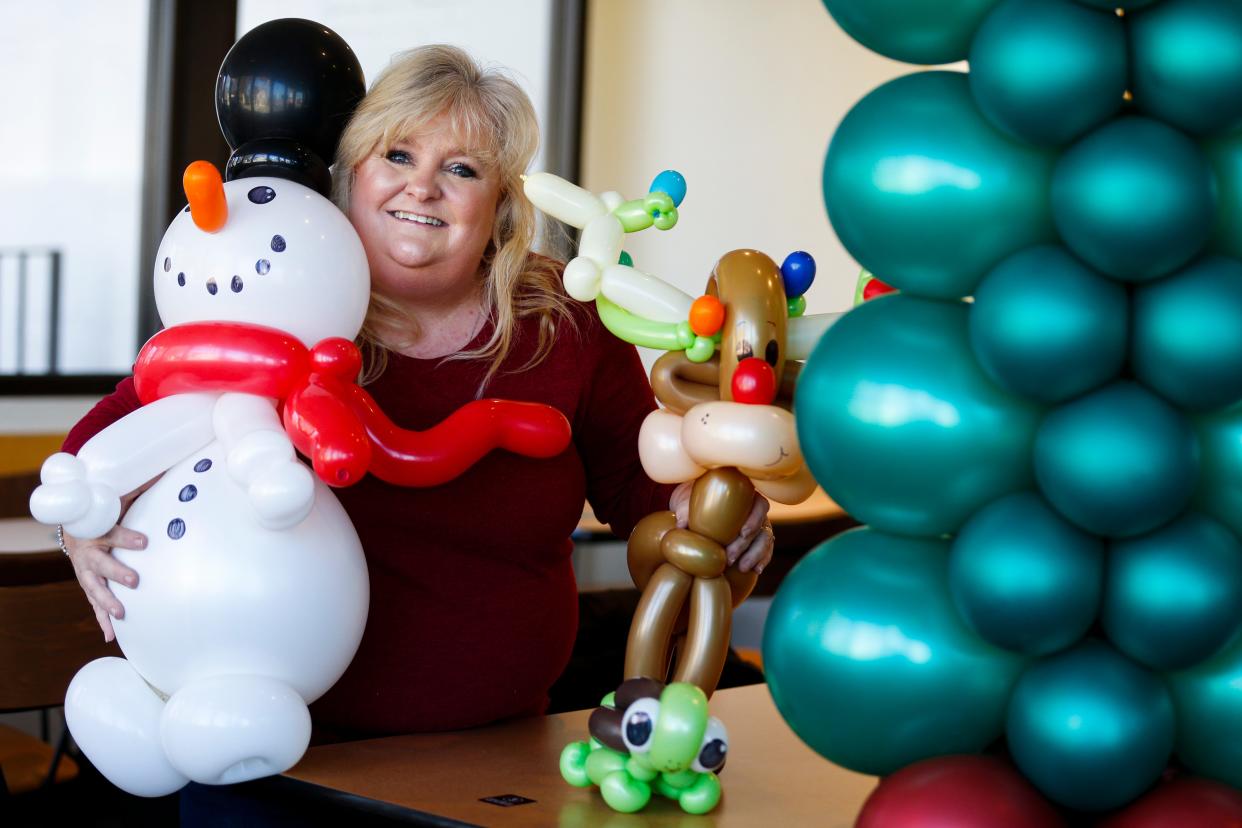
(754, 382)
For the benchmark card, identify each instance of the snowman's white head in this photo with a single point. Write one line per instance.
(282, 256)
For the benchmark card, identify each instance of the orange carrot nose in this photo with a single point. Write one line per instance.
(205, 190)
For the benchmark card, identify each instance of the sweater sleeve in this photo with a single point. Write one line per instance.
(618, 399)
(106, 412)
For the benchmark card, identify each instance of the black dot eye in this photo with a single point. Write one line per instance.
(181, 279)
(262, 266)
(202, 465)
(638, 729)
(261, 195)
(772, 353)
(211, 287)
(187, 209)
(187, 493)
(278, 244)
(167, 264)
(176, 528)
(712, 755)
(236, 284)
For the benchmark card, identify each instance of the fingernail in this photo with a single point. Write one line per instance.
(140, 541)
(131, 580)
(759, 569)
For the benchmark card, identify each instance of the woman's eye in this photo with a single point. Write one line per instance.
(397, 156)
(462, 171)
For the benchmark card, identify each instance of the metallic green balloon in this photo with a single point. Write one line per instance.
(1090, 728)
(913, 31)
(1118, 462)
(1174, 597)
(1135, 199)
(1225, 156)
(1220, 481)
(899, 424)
(1045, 325)
(1188, 63)
(1188, 334)
(1023, 578)
(1208, 702)
(923, 191)
(1048, 71)
(870, 664)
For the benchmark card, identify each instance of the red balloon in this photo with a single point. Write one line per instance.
(957, 792)
(754, 382)
(876, 288)
(1184, 801)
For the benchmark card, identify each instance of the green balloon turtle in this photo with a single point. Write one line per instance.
(646, 737)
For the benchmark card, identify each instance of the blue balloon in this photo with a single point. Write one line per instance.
(1220, 481)
(870, 664)
(1110, 5)
(1135, 199)
(1023, 578)
(797, 272)
(1207, 699)
(899, 424)
(1046, 326)
(1118, 462)
(1174, 597)
(1090, 728)
(1187, 336)
(928, 195)
(1048, 71)
(1188, 64)
(672, 184)
(913, 31)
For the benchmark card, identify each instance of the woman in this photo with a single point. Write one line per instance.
(473, 600)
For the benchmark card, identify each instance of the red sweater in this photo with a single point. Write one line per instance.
(473, 600)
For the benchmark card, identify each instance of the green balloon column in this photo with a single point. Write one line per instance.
(1042, 425)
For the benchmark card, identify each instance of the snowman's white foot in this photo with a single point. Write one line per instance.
(114, 717)
(228, 729)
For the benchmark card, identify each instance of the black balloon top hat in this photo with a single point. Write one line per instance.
(284, 94)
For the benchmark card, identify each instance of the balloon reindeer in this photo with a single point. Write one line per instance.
(254, 589)
(726, 388)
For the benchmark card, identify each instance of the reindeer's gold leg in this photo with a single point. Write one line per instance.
(646, 651)
(707, 641)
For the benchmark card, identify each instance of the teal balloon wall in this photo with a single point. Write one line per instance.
(1042, 426)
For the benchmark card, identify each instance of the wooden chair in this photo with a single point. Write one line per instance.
(47, 632)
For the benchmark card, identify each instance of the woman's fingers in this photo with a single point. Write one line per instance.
(759, 552)
(96, 589)
(679, 502)
(124, 538)
(750, 528)
(104, 620)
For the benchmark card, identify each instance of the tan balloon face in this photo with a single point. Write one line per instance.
(748, 284)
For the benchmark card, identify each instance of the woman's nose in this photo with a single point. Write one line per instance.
(422, 184)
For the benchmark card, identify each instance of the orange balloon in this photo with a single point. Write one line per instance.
(205, 191)
(706, 315)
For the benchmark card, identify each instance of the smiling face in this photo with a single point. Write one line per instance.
(424, 208)
(749, 284)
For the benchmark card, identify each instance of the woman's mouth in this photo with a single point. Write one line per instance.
(416, 218)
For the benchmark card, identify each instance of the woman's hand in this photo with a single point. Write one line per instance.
(94, 565)
(754, 543)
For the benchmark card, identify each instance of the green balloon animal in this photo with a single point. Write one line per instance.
(646, 737)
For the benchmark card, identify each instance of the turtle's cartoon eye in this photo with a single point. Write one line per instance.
(638, 724)
(714, 748)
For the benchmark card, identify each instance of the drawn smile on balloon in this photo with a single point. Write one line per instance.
(783, 455)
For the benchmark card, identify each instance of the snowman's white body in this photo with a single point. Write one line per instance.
(253, 589)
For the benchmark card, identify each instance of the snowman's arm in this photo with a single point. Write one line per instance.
(84, 492)
(260, 458)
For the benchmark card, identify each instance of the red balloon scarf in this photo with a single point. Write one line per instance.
(328, 416)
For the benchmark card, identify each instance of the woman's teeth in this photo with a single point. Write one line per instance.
(415, 217)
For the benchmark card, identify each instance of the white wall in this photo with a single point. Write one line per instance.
(741, 97)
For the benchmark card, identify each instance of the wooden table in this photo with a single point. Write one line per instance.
(772, 778)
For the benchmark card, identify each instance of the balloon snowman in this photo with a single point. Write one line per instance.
(725, 387)
(253, 589)
(1053, 556)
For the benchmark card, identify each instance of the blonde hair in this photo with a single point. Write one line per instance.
(498, 121)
